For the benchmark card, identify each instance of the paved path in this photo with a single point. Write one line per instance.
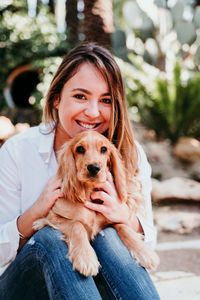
(178, 276)
(177, 285)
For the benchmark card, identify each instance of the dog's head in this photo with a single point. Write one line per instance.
(85, 160)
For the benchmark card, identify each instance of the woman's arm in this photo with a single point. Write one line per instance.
(9, 209)
(40, 207)
(13, 221)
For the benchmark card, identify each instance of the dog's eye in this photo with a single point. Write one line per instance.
(103, 149)
(80, 150)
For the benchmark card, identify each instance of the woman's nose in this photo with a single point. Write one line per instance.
(92, 110)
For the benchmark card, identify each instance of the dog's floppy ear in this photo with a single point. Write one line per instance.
(72, 188)
(118, 172)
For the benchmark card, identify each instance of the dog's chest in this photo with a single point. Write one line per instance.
(96, 224)
(92, 221)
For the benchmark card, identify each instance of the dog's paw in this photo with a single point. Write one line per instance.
(39, 224)
(85, 262)
(147, 258)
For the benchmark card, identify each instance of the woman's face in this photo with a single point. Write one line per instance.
(84, 103)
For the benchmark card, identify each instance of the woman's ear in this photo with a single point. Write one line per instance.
(71, 187)
(56, 101)
(118, 172)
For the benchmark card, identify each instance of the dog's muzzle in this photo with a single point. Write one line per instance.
(93, 169)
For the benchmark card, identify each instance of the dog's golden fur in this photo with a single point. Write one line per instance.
(79, 224)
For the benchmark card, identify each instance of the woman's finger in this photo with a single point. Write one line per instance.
(96, 207)
(110, 178)
(100, 195)
(59, 193)
(103, 186)
(54, 182)
(53, 196)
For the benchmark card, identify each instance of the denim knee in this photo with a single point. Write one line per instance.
(47, 236)
(109, 242)
(125, 278)
(42, 271)
(47, 242)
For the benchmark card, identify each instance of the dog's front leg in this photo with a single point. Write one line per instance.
(143, 254)
(81, 253)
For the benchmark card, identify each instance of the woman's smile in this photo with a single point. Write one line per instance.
(87, 125)
(83, 104)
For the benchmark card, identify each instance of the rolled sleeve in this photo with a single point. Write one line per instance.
(9, 238)
(144, 175)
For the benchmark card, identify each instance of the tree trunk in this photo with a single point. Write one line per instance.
(98, 21)
(51, 6)
(72, 21)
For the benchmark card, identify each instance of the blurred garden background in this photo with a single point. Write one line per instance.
(157, 46)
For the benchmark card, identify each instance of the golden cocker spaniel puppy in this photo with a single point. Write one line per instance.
(84, 161)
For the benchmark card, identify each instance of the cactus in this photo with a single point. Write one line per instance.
(175, 27)
(197, 17)
(186, 33)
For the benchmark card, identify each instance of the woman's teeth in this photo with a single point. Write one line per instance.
(88, 126)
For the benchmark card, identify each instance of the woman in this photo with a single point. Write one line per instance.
(86, 93)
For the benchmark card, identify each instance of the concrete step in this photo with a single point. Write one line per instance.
(178, 276)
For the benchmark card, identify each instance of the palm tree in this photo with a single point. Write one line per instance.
(72, 21)
(98, 21)
(96, 25)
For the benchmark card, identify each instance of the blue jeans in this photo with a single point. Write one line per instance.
(42, 271)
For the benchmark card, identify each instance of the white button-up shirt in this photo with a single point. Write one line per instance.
(27, 161)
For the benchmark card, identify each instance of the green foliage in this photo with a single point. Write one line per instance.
(49, 66)
(157, 34)
(26, 40)
(170, 107)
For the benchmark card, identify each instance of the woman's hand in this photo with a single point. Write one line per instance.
(111, 208)
(48, 197)
(40, 208)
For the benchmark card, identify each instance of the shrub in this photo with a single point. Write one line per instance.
(169, 106)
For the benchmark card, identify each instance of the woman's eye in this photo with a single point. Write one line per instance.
(103, 149)
(80, 150)
(106, 100)
(80, 97)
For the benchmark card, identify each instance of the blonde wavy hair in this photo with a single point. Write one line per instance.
(119, 131)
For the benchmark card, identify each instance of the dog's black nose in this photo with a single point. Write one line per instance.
(93, 169)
